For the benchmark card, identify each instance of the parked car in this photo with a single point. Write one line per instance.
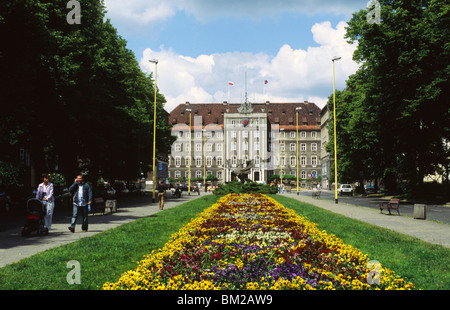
(346, 189)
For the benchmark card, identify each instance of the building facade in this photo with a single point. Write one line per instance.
(258, 140)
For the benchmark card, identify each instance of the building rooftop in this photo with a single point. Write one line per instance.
(277, 113)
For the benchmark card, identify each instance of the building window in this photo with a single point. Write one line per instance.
(283, 161)
(198, 147)
(292, 134)
(314, 147)
(219, 161)
(209, 134)
(314, 134)
(282, 146)
(233, 134)
(303, 175)
(303, 147)
(177, 174)
(198, 161)
(245, 134)
(186, 147)
(303, 134)
(219, 147)
(198, 174)
(303, 160)
(233, 160)
(233, 146)
(245, 146)
(294, 173)
(257, 160)
(256, 146)
(293, 161)
(256, 135)
(198, 134)
(219, 134)
(292, 147)
(186, 174)
(177, 148)
(314, 160)
(219, 175)
(244, 161)
(178, 161)
(209, 161)
(209, 147)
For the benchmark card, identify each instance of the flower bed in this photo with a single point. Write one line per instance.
(249, 241)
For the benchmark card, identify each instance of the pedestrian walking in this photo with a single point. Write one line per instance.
(45, 194)
(82, 199)
(161, 195)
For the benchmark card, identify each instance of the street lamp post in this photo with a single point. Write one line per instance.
(204, 160)
(190, 152)
(155, 61)
(298, 187)
(335, 139)
(281, 159)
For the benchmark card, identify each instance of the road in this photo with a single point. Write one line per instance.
(439, 213)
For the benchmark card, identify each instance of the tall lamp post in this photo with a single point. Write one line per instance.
(190, 152)
(297, 110)
(155, 61)
(335, 144)
(281, 159)
(204, 160)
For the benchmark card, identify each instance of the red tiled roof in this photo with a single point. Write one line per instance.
(278, 113)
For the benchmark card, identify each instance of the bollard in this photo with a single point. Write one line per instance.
(420, 211)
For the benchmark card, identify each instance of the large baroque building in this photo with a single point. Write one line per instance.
(261, 139)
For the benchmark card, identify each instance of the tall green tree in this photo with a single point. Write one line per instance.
(75, 92)
(398, 100)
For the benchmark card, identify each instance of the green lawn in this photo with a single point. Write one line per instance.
(105, 256)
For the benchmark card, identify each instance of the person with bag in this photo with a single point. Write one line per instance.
(45, 194)
(161, 195)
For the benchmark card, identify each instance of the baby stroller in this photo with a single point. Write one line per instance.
(35, 218)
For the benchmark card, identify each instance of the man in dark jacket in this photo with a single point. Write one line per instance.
(82, 199)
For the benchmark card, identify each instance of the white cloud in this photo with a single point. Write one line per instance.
(293, 74)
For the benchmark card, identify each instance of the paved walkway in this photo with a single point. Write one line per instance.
(432, 232)
(14, 247)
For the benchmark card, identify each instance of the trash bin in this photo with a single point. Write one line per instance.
(420, 211)
(112, 204)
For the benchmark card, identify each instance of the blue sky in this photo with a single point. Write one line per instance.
(203, 44)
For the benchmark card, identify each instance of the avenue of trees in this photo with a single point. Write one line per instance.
(393, 118)
(73, 95)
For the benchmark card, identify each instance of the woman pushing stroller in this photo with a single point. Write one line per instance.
(45, 194)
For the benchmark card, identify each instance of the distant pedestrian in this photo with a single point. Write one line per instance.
(45, 194)
(161, 195)
(82, 199)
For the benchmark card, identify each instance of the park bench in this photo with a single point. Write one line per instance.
(316, 194)
(393, 204)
